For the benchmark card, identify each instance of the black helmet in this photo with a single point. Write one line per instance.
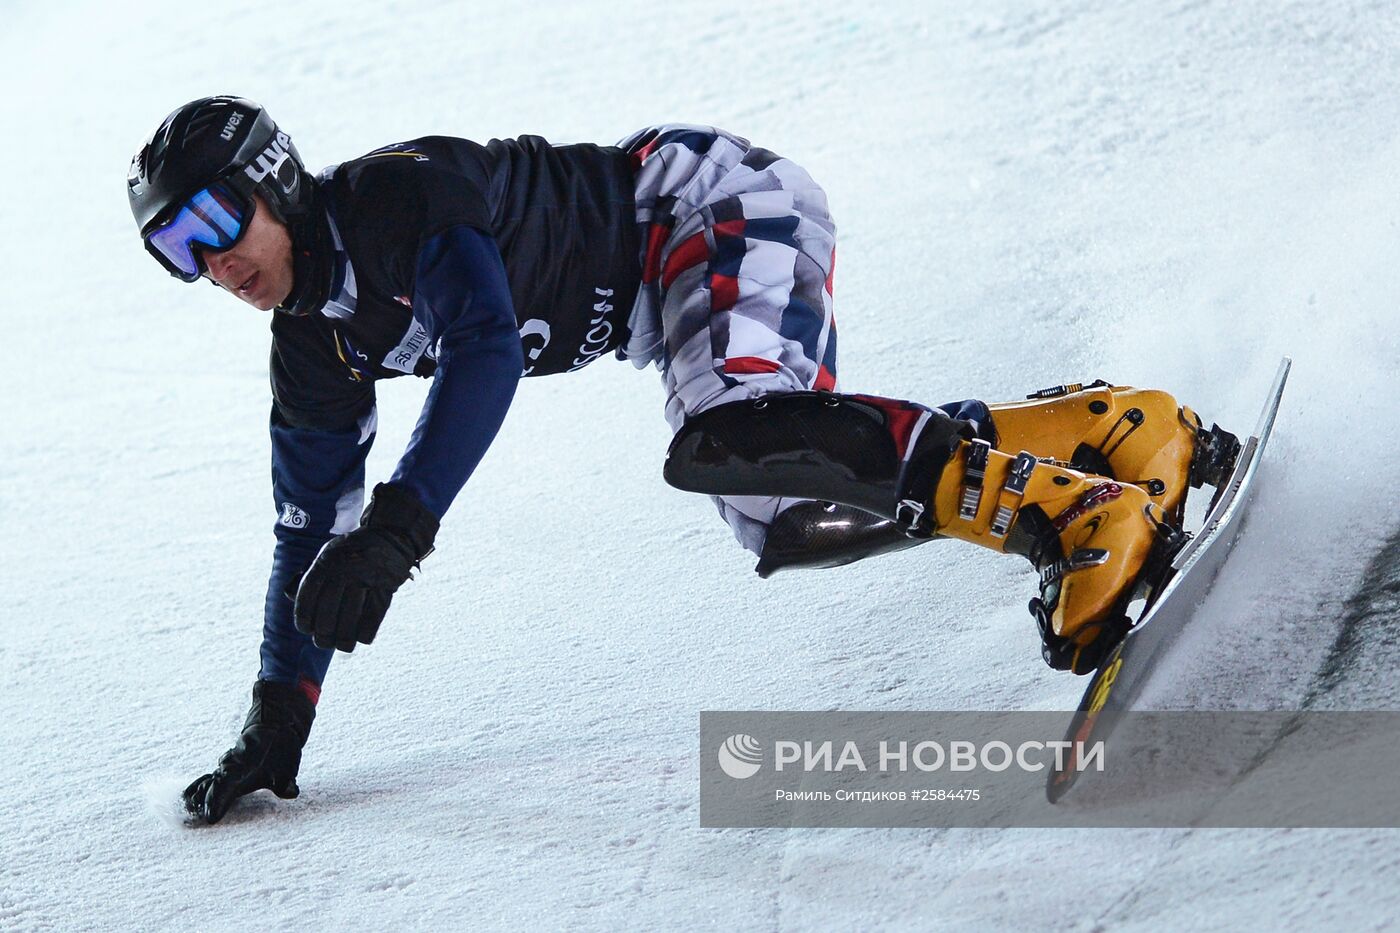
(231, 146)
(216, 139)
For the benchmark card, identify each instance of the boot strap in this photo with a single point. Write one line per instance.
(1009, 499)
(913, 511)
(919, 475)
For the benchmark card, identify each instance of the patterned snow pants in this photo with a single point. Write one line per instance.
(736, 297)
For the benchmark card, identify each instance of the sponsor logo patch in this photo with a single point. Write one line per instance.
(293, 516)
(405, 356)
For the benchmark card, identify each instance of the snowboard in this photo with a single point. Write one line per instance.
(1120, 679)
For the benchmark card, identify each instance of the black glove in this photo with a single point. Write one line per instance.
(267, 754)
(345, 593)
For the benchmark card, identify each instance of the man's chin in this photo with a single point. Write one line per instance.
(260, 302)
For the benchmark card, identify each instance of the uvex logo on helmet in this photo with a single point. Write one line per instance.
(276, 160)
(234, 119)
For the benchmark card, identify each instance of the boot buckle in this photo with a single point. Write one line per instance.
(1011, 493)
(1081, 558)
(975, 472)
(911, 516)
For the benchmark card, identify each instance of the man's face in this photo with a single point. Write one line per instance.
(258, 268)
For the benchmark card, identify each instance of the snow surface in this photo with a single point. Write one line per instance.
(1028, 192)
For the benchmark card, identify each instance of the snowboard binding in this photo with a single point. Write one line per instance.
(1217, 450)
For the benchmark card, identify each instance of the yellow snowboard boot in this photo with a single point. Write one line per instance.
(1089, 537)
(1137, 436)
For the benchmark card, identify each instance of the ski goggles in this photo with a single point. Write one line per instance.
(213, 218)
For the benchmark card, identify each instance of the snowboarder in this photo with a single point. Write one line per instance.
(682, 246)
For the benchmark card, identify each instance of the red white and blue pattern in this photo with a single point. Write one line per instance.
(736, 299)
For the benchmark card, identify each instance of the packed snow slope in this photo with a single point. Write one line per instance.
(1028, 192)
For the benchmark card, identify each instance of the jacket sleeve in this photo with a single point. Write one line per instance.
(462, 298)
(322, 426)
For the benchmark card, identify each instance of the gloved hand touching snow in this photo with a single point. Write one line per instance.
(266, 755)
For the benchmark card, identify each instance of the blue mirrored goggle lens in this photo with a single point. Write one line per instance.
(212, 218)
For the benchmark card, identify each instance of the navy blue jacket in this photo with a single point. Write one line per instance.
(469, 264)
